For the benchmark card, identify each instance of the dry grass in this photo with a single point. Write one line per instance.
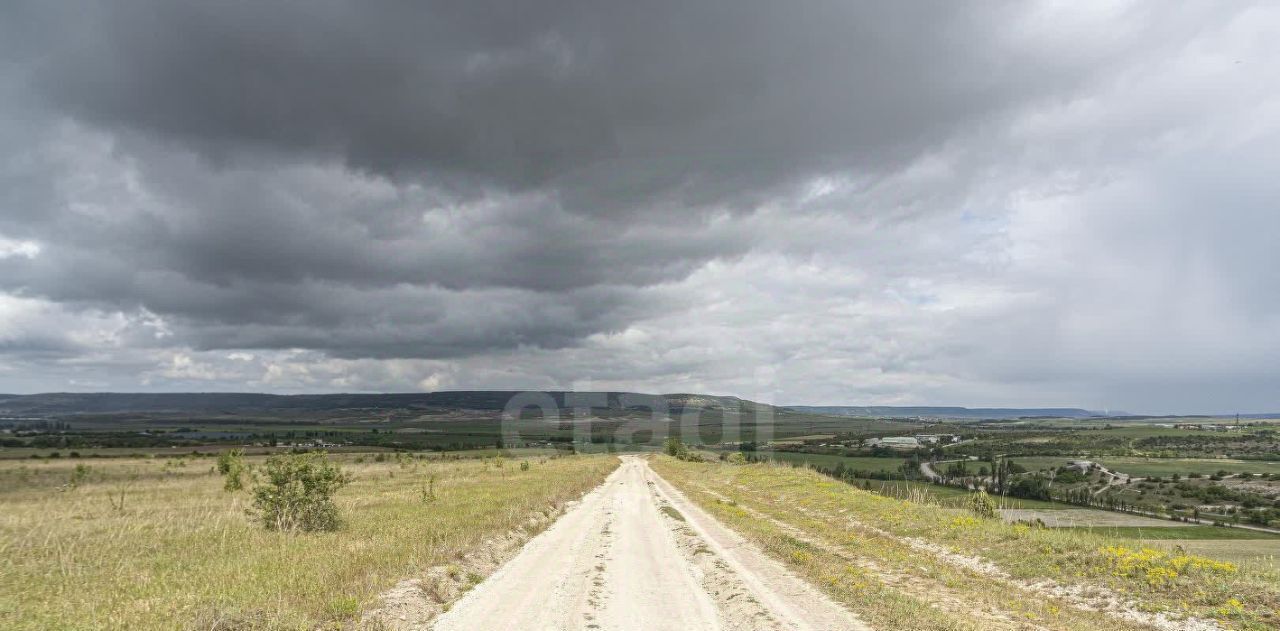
(908, 565)
(182, 553)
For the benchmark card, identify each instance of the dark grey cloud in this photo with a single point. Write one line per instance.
(810, 202)
(620, 105)
(266, 172)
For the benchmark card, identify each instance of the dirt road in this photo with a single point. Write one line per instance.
(635, 554)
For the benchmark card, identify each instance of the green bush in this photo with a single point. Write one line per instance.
(982, 505)
(78, 475)
(736, 458)
(1030, 487)
(1071, 476)
(674, 447)
(297, 493)
(231, 466)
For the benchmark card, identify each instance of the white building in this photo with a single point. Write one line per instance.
(895, 442)
(936, 439)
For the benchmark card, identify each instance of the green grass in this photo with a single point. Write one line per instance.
(1178, 532)
(971, 467)
(1145, 467)
(182, 553)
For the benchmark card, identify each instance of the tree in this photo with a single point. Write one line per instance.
(1029, 487)
(297, 493)
(1001, 481)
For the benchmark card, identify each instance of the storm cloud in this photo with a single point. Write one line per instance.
(811, 202)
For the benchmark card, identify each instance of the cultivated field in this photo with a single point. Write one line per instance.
(158, 544)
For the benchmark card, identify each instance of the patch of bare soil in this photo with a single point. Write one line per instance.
(414, 603)
(738, 607)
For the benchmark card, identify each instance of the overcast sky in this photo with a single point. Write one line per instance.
(1033, 203)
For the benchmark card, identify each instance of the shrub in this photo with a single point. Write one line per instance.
(429, 491)
(736, 458)
(297, 493)
(1158, 567)
(981, 504)
(231, 466)
(343, 607)
(673, 447)
(78, 475)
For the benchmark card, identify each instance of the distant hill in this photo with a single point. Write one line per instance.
(54, 404)
(944, 411)
(236, 403)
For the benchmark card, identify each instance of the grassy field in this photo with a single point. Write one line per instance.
(1258, 553)
(92, 453)
(1185, 532)
(908, 565)
(971, 467)
(182, 553)
(1075, 517)
(883, 465)
(1163, 467)
(946, 495)
(949, 496)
